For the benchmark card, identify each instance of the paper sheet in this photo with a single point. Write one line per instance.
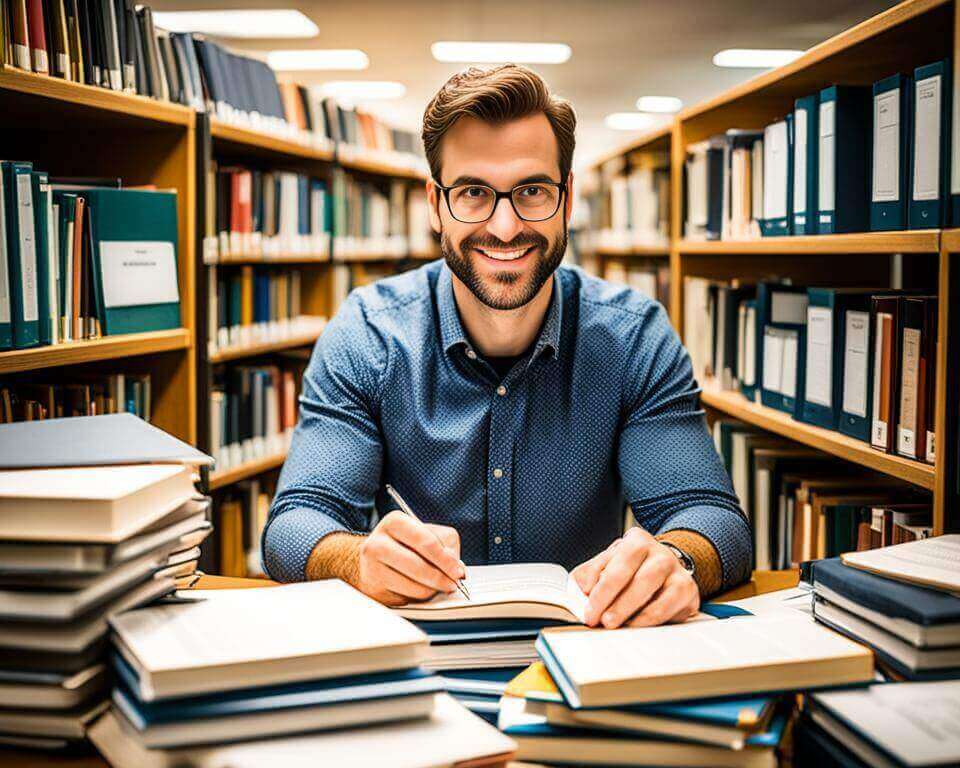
(933, 561)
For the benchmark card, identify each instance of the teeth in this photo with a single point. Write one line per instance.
(504, 255)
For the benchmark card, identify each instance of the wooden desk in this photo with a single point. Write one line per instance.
(761, 583)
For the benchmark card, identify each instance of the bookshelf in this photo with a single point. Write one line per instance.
(223, 478)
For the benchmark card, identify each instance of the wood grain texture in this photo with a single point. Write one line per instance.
(237, 353)
(222, 478)
(909, 241)
(237, 139)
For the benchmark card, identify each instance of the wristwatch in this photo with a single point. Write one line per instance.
(685, 560)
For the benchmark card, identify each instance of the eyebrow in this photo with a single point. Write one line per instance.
(526, 180)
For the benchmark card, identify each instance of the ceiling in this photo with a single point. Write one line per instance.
(622, 49)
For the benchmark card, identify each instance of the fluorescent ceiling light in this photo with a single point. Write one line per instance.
(248, 23)
(316, 58)
(755, 58)
(660, 104)
(628, 121)
(490, 53)
(361, 90)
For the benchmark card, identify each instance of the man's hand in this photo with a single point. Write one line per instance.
(636, 582)
(402, 560)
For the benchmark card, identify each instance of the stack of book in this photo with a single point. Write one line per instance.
(64, 275)
(29, 400)
(705, 692)
(78, 546)
(901, 601)
(348, 663)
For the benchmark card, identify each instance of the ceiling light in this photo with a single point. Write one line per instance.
(247, 24)
(361, 90)
(628, 121)
(659, 104)
(489, 53)
(755, 58)
(316, 58)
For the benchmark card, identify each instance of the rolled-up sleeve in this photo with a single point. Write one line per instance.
(672, 477)
(332, 471)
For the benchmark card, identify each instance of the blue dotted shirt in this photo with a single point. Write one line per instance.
(538, 467)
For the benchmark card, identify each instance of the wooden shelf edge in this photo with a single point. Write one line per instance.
(253, 350)
(736, 405)
(272, 262)
(654, 252)
(107, 348)
(950, 240)
(366, 165)
(222, 478)
(267, 141)
(906, 241)
(645, 139)
(57, 89)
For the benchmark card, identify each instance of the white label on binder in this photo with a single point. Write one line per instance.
(855, 364)
(926, 142)
(886, 147)
(800, 161)
(137, 273)
(828, 111)
(791, 349)
(931, 447)
(4, 269)
(28, 248)
(909, 380)
(775, 147)
(750, 349)
(772, 360)
(820, 356)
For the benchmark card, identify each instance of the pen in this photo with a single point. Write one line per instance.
(405, 508)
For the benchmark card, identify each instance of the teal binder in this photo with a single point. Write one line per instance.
(892, 145)
(843, 200)
(6, 326)
(932, 116)
(774, 135)
(779, 307)
(134, 238)
(21, 253)
(806, 143)
(45, 266)
(68, 214)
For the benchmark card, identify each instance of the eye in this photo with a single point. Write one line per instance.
(475, 192)
(533, 191)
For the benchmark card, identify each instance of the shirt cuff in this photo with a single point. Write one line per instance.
(726, 530)
(708, 572)
(290, 538)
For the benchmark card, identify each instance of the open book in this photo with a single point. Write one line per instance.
(515, 591)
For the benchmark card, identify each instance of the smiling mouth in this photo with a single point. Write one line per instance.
(501, 255)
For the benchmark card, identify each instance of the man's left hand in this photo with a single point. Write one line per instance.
(637, 582)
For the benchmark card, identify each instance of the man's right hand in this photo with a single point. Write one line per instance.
(402, 560)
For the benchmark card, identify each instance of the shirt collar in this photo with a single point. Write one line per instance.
(452, 333)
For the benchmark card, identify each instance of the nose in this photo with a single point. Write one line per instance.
(504, 224)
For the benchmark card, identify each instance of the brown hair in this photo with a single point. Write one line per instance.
(506, 92)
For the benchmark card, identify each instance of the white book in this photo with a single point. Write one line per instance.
(96, 504)
(44, 691)
(233, 641)
(930, 562)
(517, 590)
(451, 736)
(66, 725)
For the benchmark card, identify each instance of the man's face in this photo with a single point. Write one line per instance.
(504, 261)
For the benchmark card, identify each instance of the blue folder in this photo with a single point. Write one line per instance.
(843, 201)
(892, 132)
(806, 143)
(929, 208)
(482, 630)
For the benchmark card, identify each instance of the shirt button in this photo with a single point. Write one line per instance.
(497, 540)
(498, 472)
(501, 390)
(471, 354)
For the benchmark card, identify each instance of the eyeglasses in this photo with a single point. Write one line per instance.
(475, 203)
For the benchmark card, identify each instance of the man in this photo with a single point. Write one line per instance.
(515, 404)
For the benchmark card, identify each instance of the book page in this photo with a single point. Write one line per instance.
(514, 583)
(934, 562)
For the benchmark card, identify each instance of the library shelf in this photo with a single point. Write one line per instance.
(225, 477)
(240, 139)
(906, 241)
(31, 88)
(291, 258)
(950, 240)
(252, 350)
(358, 256)
(657, 138)
(642, 251)
(378, 167)
(737, 406)
(94, 350)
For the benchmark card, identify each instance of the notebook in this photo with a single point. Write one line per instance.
(514, 591)
(253, 637)
(700, 659)
(930, 562)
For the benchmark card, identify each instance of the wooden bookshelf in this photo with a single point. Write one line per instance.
(240, 140)
(292, 259)
(637, 251)
(909, 241)
(222, 478)
(379, 168)
(238, 353)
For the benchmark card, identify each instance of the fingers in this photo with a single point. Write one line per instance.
(646, 582)
(677, 600)
(448, 536)
(400, 558)
(624, 563)
(586, 574)
(422, 540)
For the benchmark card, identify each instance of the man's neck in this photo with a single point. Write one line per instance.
(501, 332)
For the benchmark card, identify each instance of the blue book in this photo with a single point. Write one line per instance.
(892, 145)
(806, 143)
(484, 630)
(843, 202)
(778, 177)
(46, 268)
(781, 347)
(932, 115)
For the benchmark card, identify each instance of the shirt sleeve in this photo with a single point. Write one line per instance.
(332, 471)
(672, 477)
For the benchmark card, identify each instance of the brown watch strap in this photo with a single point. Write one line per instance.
(709, 571)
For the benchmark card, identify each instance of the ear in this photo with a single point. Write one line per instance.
(433, 205)
(568, 203)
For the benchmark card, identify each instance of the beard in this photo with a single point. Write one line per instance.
(508, 289)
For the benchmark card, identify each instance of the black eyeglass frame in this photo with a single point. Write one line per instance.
(498, 196)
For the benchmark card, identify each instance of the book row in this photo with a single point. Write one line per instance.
(849, 158)
(79, 261)
(634, 207)
(651, 279)
(241, 517)
(113, 393)
(847, 359)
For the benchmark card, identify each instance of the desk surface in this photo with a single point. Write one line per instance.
(761, 583)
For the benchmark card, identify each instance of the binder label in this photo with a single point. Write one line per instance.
(820, 356)
(931, 448)
(136, 273)
(886, 147)
(28, 248)
(909, 379)
(800, 164)
(926, 143)
(825, 197)
(855, 364)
